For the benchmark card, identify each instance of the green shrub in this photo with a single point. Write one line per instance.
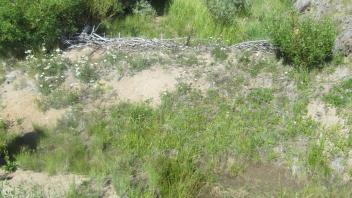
(3, 135)
(225, 11)
(305, 42)
(28, 24)
(102, 9)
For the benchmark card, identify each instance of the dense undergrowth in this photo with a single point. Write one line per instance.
(196, 19)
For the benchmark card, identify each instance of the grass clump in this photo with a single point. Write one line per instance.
(219, 54)
(2, 72)
(340, 95)
(317, 160)
(3, 135)
(225, 11)
(49, 70)
(59, 99)
(140, 63)
(86, 72)
(306, 42)
(5, 138)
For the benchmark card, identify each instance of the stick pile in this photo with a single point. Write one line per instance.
(137, 43)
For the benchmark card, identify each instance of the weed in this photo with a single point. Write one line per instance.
(85, 190)
(140, 63)
(187, 59)
(86, 73)
(260, 96)
(48, 69)
(316, 158)
(58, 99)
(2, 72)
(225, 11)
(10, 165)
(294, 36)
(219, 54)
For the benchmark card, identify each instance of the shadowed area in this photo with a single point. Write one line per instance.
(28, 141)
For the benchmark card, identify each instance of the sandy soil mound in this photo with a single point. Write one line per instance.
(30, 184)
(18, 106)
(145, 85)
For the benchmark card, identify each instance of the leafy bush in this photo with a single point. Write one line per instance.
(305, 42)
(104, 8)
(28, 24)
(225, 10)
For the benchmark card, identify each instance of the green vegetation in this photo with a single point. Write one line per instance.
(3, 135)
(248, 117)
(194, 19)
(341, 95)
(5, 138)
(2, 72)
(219, 54)
(59, 99)
(306, 42)
(140, 63)
(26, 24)
(86, 72)
(49, 70)
(225, 11)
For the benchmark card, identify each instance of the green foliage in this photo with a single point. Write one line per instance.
(26, 24)
(86, 72)
(186, 18)
(225, 11)
(219, 54)
(317, 160)
(102, 9)
(3, 135)
(58, 99)
(260, 96)
(2, 72)
(85, 190)
(139, 63)
(29, 24)
(5, 138)
(48, 69)
(306, 42)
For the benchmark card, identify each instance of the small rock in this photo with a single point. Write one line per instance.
(11, 77)
(302, 5)
(337, 165)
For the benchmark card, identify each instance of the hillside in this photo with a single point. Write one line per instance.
(266, 113)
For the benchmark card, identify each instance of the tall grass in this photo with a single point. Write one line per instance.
(192, 18)
(172, 150)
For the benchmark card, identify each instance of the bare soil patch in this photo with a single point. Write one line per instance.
(18, 106)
